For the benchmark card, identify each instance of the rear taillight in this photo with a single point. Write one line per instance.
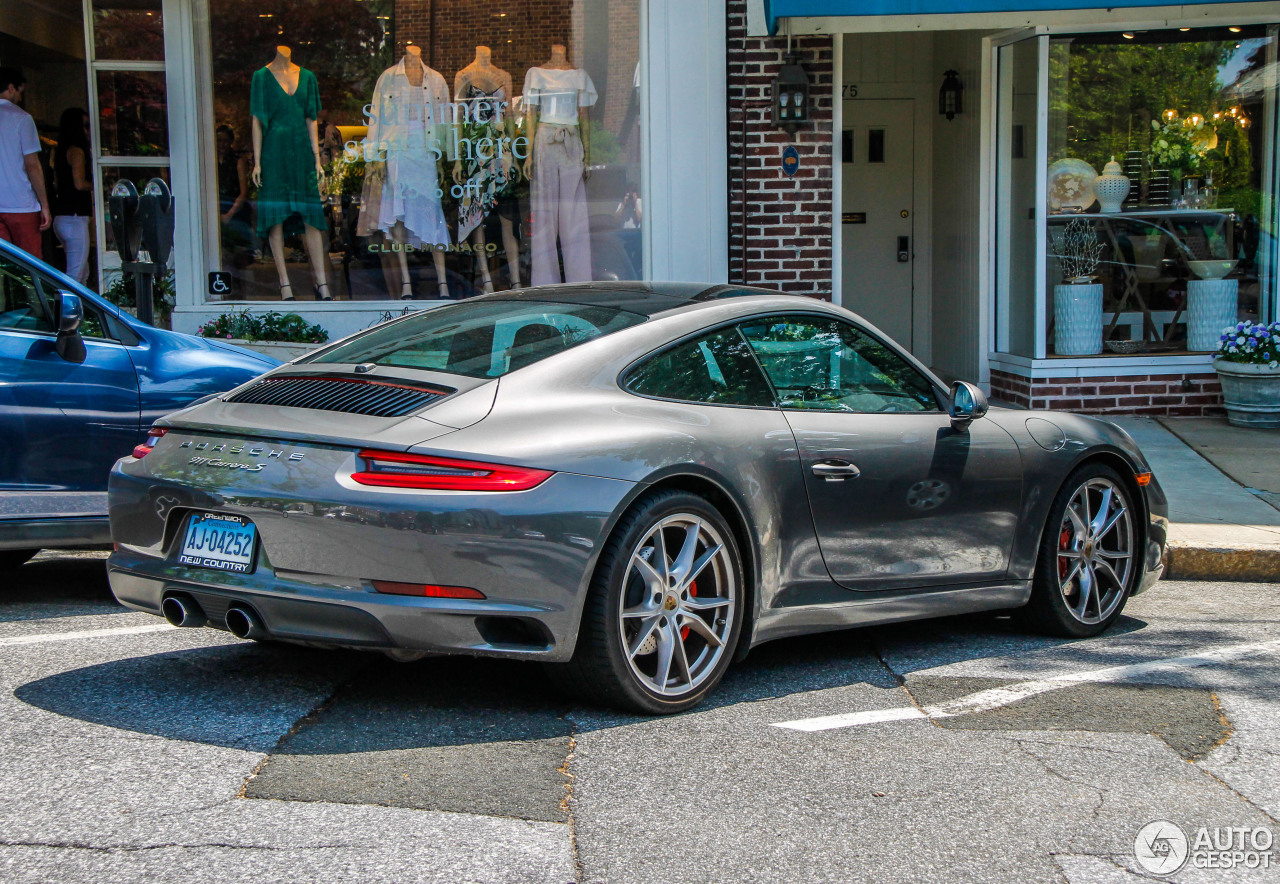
(392, 469)
(153, 436)
(427, 590)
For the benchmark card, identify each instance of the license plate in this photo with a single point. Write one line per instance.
(221, 542)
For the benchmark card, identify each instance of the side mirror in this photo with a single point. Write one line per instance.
(968, 403)
(69, 345)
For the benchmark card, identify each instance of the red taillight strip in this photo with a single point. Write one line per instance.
(468, 475)
(427, 590)
(152, 436)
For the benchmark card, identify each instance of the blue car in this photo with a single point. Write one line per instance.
(80, 384)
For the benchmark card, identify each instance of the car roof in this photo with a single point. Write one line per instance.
(644, 298)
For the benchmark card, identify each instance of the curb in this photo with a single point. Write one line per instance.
(1231, 564)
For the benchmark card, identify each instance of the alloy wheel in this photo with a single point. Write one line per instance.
(678, 605)
(1095, 550)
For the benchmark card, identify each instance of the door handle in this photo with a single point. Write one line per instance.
(904, 249)
(836, 470)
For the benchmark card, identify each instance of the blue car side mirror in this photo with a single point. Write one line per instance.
(69, 344)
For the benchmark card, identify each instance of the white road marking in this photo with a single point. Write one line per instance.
(984, 701)
(84, 633)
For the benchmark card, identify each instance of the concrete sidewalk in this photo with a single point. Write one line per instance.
(1223, 485)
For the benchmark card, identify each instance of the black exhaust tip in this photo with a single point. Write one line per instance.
(182, 610)
(244, 623)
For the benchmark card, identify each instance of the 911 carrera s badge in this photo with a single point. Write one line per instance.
(226, 464)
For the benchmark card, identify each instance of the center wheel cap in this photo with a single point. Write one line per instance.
(670, 603)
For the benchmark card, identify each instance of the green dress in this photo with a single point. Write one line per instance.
(289, 194)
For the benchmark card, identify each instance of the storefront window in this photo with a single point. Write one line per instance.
(1016, 198)
(1159, 189)
(462, 148)
(128, 30)
(133, 113)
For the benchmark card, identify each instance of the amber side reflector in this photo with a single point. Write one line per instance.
(427, 590)
(1142, 479)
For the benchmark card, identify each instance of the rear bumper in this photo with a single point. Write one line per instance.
(531, 553)
(292, 611)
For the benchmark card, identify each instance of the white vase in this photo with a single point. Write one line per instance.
(1077, 319)
(1211, 307)
(1111, 187)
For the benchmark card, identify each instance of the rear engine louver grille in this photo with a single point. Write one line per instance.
(352, 395)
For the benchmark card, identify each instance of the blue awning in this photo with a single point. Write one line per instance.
(776, 9)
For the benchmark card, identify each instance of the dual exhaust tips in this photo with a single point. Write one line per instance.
(184, 611)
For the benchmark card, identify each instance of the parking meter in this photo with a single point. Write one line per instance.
(155, 220)
(123, 205)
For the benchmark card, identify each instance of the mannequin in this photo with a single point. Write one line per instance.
(285, 101)
(485, 91)
(560, 153)
(402, 185)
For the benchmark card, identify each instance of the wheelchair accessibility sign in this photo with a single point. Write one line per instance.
(219, 282)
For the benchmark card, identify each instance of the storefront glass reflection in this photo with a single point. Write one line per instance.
(1160, 149)
(373, 150)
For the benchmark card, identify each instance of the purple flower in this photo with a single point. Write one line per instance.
(228, 335)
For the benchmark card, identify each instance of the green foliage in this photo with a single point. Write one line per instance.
(243, 325)
(123, 293)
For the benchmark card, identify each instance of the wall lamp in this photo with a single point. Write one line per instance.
(791, 95)
(951, 95)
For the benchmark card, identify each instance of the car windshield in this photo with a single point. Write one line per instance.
(484, 339)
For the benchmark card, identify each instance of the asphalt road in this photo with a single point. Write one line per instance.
(951, 750)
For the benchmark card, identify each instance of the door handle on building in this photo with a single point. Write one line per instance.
(904, 249)
(836, 470)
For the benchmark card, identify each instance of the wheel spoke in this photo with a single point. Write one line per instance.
(1086, 592)
(1076, 522)
(1069, 553)
(681, 660)
(1084, 505)
(666, 647)
(654, 580)
(1075, 569)
(1112, 522)
(700, 565)
(1106, 569)
(646, 629)
(1104, 507)
(1117, 554)
(683, 563)
(698, 625)
(663, 565)
(696, 603)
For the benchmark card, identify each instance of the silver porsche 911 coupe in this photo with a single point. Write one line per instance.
(635, 483)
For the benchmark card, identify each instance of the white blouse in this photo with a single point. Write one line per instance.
(558, 94)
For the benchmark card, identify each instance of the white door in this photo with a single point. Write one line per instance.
(877, 209)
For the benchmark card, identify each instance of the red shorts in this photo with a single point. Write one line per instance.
(23, 230)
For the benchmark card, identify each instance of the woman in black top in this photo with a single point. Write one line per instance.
(234, 208)
(73, 197)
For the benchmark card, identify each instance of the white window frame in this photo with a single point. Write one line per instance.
(684, 157)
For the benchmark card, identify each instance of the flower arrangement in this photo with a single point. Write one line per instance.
(1250, 343)
(1177, 144)
(287, 327)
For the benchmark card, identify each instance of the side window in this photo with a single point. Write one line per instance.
(820, 364)
(20, 306)
(716, 369)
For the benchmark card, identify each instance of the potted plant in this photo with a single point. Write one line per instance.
(285, 336)
(1248, 364)
(1077, 301)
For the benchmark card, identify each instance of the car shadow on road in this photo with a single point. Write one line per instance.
(61, 583)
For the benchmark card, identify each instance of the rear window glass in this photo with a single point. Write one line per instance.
(483, 339)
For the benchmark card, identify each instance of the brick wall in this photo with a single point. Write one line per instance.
(779, 227)
(1168, 395)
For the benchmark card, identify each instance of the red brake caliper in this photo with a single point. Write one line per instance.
(684, 630)
(1064, 541)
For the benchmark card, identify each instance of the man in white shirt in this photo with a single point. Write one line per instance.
(24, 205)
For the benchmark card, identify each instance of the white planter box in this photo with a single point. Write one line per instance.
(285, 352)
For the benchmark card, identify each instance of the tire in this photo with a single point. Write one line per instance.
(619, 659)
(14, 558)
(1083, 576)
